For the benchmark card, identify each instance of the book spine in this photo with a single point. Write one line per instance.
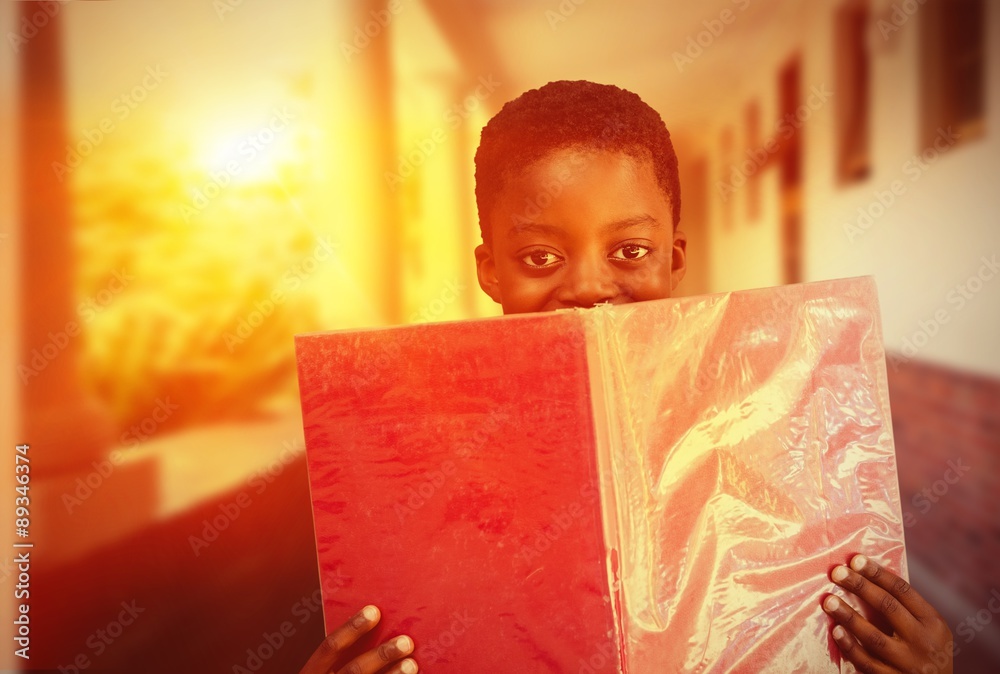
(601, 360)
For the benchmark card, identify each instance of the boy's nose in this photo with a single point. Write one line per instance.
(587, 284)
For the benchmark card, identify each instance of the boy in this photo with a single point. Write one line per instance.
(579, 204)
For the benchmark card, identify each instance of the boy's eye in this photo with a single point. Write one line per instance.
(630, 251)
(540, 258)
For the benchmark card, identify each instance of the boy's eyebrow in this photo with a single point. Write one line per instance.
(533, 227)
(644, 219)
(618, 225)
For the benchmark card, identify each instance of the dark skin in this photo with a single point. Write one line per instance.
(389, 656)
(606, 235)
(920, 640)
(580, 228)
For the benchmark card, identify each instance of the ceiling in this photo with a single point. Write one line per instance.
(640, 45)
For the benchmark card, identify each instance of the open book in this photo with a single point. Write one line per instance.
(655, 487)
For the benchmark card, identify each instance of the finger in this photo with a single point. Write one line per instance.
(874, 640)
(895, 586)
(902, 621)
(852, 651)
(329, 651)
(407, 666)
(375, 659)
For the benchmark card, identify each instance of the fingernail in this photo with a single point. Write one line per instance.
(839, 573)
(831, 603)
(839, 632)
(408, 667)
(370, 613)
(404, 644)
(859, 562)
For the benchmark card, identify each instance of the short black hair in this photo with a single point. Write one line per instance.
(571, 114)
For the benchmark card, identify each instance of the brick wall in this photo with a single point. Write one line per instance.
(947, 432)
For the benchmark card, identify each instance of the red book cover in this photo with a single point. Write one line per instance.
(655, 487)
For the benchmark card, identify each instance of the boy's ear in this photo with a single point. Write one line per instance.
(678, 260)
(486, 270)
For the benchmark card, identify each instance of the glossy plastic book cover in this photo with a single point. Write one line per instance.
(655, 487)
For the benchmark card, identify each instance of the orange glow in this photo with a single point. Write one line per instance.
(189, 184)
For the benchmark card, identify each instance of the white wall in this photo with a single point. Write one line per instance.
(935, 234)
(931, 239)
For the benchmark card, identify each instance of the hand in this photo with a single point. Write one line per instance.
(331, 651)
(921, 641)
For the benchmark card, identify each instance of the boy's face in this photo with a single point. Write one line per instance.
(578, 228)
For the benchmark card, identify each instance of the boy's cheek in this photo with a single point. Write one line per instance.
(524, 295)
(651, 282)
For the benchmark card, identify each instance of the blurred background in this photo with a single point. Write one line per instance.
(187, 185)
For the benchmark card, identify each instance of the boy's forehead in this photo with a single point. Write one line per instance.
(587, 172)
